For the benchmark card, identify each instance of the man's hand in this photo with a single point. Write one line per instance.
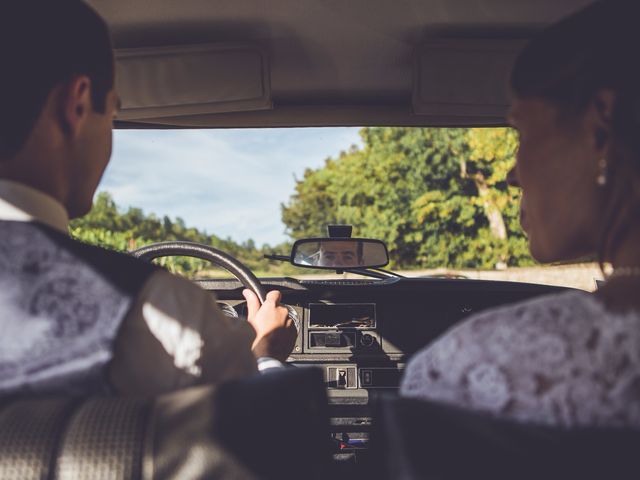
(275, 331)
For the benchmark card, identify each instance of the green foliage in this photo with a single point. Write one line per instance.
(106, 226)
(438, 197)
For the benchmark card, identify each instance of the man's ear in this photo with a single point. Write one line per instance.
(76, 104)
(602, 108)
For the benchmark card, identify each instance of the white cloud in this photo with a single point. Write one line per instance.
(228, 182)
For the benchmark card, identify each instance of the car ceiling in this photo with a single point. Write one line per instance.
(347, 62)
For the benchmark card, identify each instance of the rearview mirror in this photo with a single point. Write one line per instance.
(339, 253)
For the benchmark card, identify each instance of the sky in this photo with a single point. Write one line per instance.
(229, 183)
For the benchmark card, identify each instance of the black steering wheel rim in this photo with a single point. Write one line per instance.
(203, 252)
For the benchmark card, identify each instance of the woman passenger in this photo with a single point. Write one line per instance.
(571, 358)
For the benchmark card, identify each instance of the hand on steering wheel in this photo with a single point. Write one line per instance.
(275, 330)
(275, 325)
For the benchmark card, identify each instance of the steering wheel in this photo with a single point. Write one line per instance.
(204, 252)
(215, 256)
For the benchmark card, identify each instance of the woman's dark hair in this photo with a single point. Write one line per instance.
(568, 64)
(43, 43)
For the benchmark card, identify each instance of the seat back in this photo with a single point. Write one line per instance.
(268, 426)
(30, 432)
(414, 439)
(104, 439)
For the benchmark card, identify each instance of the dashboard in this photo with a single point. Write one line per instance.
(362, 332)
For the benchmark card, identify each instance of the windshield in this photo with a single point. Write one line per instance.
(436, 196)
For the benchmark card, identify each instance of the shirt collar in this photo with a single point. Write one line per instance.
(21, 203)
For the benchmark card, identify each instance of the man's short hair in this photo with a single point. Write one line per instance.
(43, 43)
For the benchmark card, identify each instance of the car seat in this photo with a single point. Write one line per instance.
(273, 425)
(415, 439)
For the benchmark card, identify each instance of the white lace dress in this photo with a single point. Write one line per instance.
(556, 360)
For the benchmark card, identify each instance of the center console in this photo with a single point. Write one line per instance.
(345, 339)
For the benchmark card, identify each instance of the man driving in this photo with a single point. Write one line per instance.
(78, 318)
(347, 254)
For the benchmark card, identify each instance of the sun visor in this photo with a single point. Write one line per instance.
(464, 78)
(192, 80)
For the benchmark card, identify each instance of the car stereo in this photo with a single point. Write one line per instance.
(342, 315)
(334, 327)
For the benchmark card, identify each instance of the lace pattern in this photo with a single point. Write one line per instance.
(555, 360)
(59, 319)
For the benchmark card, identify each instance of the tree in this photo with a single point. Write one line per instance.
(438, 197)
(106, 226)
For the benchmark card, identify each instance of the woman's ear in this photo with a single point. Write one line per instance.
(602, 109)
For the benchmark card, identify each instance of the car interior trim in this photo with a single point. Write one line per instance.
(192, 80)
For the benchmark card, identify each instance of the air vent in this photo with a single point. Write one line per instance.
(349, 283)
(341, 283)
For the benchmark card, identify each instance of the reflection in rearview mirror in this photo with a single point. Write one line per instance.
(339, 253)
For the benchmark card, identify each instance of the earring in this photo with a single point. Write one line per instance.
(601, 179)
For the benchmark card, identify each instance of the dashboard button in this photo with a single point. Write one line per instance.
(341, 381)
(367, 340)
